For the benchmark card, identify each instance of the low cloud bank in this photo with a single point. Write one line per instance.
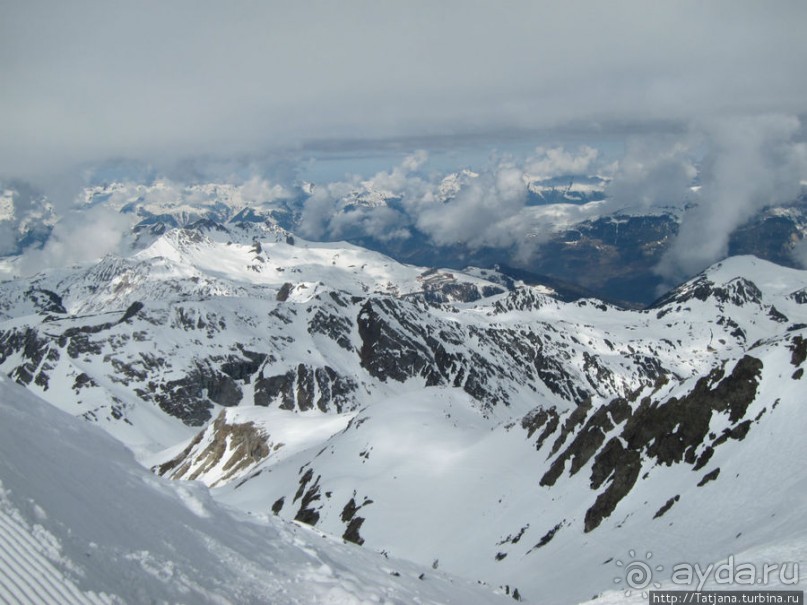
(717, 174)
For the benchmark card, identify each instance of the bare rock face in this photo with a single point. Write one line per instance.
(659, 432)
(305, 387)
(231, 448)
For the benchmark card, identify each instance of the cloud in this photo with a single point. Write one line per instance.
(258, 190)
(380, 223)
(656, 171)
(358, 208)
(752, 162)
(556, 161)
(209, 91)
(320, 208)
(81, 236)
(8, 238)
(482, 213)
(799, 253)
(26, 213)
(84, 81)
(402, 179)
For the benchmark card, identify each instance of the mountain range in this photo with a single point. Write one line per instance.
(570, 235)
(500, 436)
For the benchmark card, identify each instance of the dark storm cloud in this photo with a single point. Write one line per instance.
(90, 80)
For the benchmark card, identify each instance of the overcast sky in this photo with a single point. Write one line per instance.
(253, 87)
(91, 80)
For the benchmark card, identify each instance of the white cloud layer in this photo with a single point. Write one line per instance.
(557, 161)
(88, 81)
(800, 253)
(656, 171)
(481, 212)
(80, 237)
(752, 162)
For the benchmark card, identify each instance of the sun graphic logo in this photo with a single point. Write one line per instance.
(637, 574)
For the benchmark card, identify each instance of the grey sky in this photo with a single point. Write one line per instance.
(90, 80)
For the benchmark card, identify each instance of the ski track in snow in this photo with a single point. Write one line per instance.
(26, 574)
(81, 522)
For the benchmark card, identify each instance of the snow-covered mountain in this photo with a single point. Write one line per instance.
(562, 229)
(458, 419)
(82, 522)
(181, 205)
(568, 189)
(26, 219)
(193, 323)
(563, 489)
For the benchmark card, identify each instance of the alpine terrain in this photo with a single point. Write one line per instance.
(403, 303)
(317, 422)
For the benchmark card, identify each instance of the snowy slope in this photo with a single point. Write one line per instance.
(424, 477)
(153, 345)
(456, 419)
(99, 340)
(156, 343)
(414, 459)
(82, 522)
